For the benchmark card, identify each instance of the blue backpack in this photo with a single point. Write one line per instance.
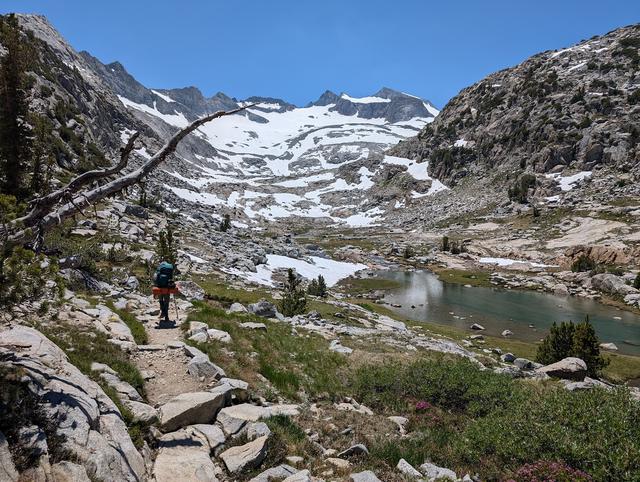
(164, 275)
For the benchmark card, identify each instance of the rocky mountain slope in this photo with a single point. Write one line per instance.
(275, 160)
(571, 110)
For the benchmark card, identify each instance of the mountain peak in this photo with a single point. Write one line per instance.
(328, 97)
(388, 93)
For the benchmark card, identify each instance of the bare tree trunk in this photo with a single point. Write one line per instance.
(44, 214)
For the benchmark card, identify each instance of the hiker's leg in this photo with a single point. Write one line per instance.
(164, 307)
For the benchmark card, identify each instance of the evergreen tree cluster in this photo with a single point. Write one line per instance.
(24, 152)
(583, 263)
(520, 190)
(317, 287)
(569, 339)
(294, 299)
(452, 246)
(225, 224)
(167, 247)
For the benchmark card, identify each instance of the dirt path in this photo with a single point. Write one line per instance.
(163, 361)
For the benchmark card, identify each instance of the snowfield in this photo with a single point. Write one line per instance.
(508, 262)
(567, 183)
(366, 100)
(332, 271)
(271, 165)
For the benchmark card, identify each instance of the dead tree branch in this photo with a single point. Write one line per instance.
(42, 205)
(22, 232)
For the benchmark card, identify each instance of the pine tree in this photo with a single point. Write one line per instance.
(312, 289)
(317, 287)
(557, 344)
(225, 224)
(166, 248)
(15, 133)
(586, 346)
(636, 283)
(42, 158)
(294, 300)
(445, 243)
(322, 286)
(575, 340)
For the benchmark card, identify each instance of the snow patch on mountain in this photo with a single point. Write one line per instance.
(566, 183)
(332, 271)
(176, 119)
(164, 97)
(365, 100)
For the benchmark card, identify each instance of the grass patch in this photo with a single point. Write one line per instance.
(219, 290)
(85, 347)
(291, 363)
(450, 383)
(624, 201)
(463, 277)
(480, 421)
(137, 328)
(621, 367)
(356, 286)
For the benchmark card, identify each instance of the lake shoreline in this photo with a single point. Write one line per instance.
(526, 313)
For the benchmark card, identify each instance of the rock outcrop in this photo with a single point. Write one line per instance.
(193, 408)
(88, 424)
(569, 368)
(558, 108)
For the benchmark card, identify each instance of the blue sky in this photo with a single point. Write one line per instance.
(296, 49)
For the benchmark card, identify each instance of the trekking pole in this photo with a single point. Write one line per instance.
(175, 305)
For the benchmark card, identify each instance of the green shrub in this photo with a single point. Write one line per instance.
(585, 122)
(595, 431)
(519, 191)
(87, 252)
(225, 224)
(630, 42)
(450, 384)
(23, 276)
(634, 97)
(513, 424)
(636, 282)
(21, 407)
(583, 263)
(617, 270)
(575, 340)
(546, 470)
(294, 301)
(167, 247)
(445, 243)
(318, 287)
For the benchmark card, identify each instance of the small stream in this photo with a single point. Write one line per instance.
(499, 309)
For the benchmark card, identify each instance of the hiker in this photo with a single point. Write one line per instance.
(163, 279)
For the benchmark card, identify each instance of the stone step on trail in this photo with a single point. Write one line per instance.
(184, 455)
(193, 408)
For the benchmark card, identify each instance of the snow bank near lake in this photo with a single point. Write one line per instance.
(509, 262)
(567, 183)
(332, 271)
